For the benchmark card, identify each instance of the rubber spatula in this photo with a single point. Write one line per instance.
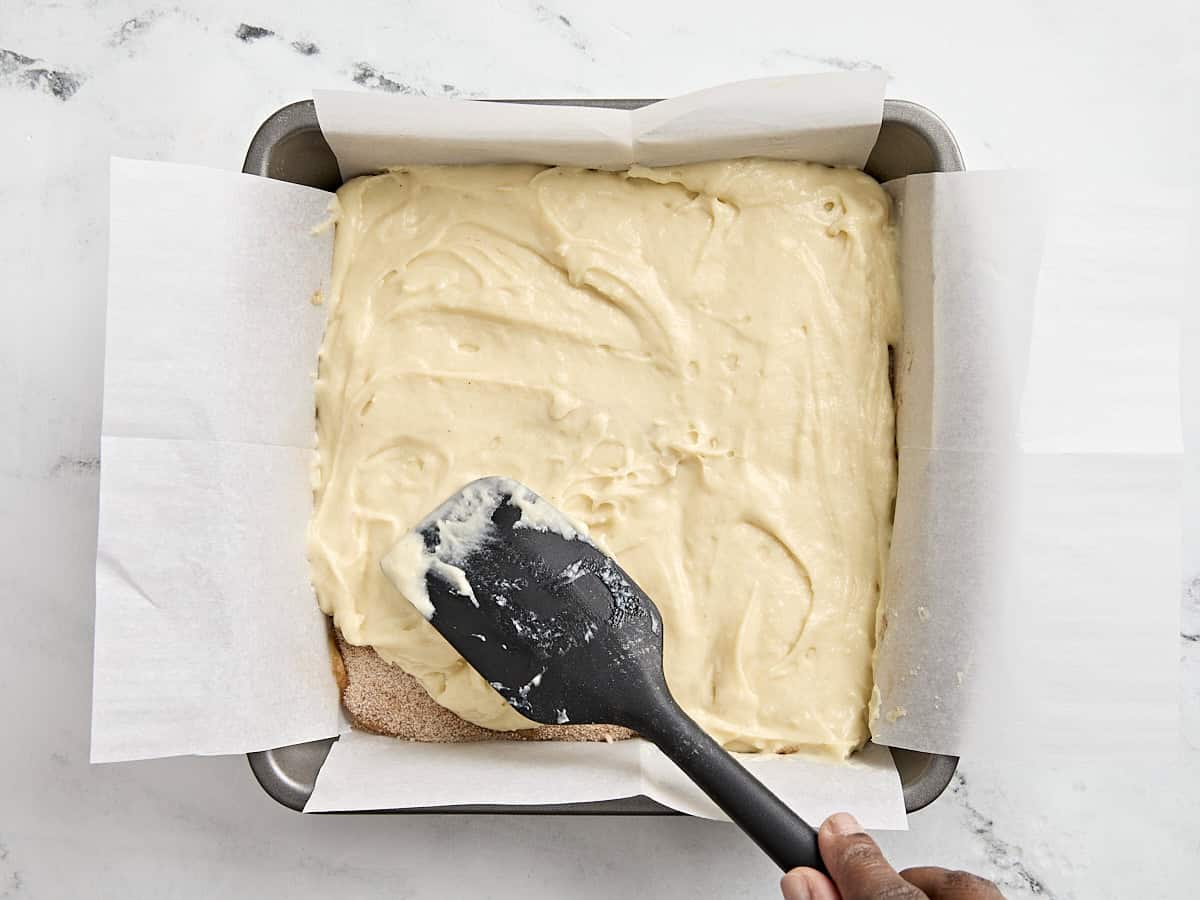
(565, 636)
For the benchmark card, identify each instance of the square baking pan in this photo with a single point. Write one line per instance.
(289, 146)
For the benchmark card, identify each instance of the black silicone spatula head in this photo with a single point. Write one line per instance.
(565, 636)
(550, 620)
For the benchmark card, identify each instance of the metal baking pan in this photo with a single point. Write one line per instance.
(289, 146)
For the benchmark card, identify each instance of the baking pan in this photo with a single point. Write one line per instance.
(289, 146)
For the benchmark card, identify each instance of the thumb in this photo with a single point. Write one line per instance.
(856, 863)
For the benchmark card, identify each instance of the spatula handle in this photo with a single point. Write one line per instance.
(782, 835)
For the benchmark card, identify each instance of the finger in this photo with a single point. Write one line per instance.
(807, 884)
(856, 863)
(948, 884)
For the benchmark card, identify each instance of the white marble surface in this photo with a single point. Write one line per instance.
(1108, 98)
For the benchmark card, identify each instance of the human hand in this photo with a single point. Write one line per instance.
(858, 871)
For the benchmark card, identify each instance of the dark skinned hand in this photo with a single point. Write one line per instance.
(858, 871)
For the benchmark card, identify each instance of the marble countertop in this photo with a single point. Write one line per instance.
(1099, 100)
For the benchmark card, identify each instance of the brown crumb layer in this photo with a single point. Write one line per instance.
(385, 699)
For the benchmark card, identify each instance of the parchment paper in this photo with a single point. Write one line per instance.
(207, 640)
(366, 771)
(203, 579)
(970, 245)
(823, 118)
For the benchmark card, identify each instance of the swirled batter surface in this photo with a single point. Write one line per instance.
(691, 361)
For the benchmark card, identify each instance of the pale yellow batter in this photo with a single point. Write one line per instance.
(693, 362)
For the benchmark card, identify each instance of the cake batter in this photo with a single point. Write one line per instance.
(692, 362)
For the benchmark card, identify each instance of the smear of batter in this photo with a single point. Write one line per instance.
(692, 362)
